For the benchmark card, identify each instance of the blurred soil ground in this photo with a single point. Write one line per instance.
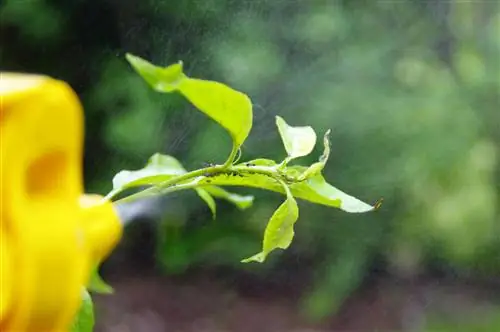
(207, 301)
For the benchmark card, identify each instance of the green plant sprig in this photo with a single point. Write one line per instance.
(232, 109)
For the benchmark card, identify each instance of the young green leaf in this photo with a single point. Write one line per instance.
(230, 108)
(98, 285)
(159, 168)
(318, 166)
(207, 198)
(298, 141)
(279, 231)
(84, 320)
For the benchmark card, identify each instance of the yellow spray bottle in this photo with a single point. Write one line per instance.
(51, 234)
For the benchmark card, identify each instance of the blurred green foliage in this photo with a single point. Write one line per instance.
(84, 320)
(410, 89)
(488, 320)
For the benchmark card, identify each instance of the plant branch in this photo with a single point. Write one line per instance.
(156, 190)
(183, 182)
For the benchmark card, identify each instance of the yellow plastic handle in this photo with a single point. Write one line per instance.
(51, 234)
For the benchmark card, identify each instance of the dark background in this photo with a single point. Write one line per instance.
(411, 92)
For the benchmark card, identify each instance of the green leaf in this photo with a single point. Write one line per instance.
(279, 231)
(315, 189)
(242, 202)
(84, 320)
(298, 141)
(318, 166)
(230, 108)
(205, 196)
(159, 168)
(98, 285)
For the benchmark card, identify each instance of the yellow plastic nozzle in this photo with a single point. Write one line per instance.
(51, 235)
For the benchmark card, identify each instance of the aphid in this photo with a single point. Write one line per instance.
(208, 174)
(378, 204)
(207, 164)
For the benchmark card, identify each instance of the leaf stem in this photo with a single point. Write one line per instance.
(232, 155)
(156, 190)
(284, 163)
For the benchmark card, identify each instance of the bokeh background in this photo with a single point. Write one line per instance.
(411, 91)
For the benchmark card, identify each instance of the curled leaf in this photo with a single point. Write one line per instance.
(318, 166)
(279, 230)
(98, 285)
(298, 141)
